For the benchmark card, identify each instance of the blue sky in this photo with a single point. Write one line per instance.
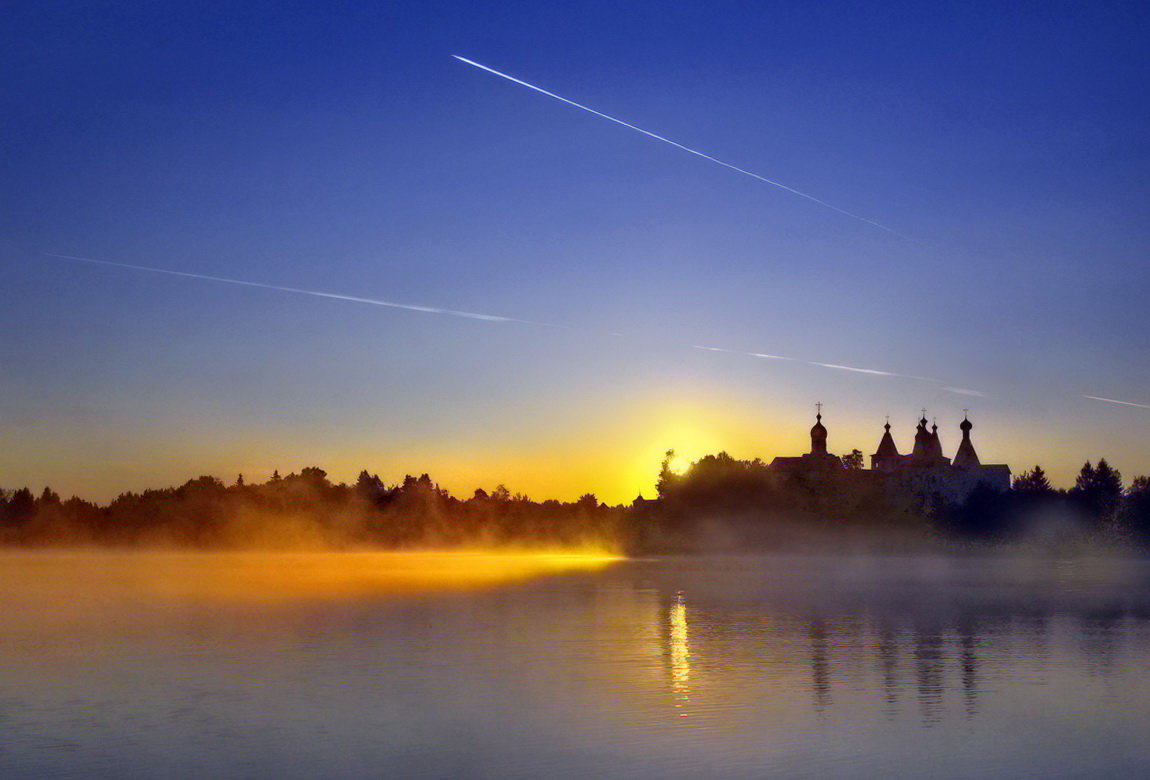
(339, 147)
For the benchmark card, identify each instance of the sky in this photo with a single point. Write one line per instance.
(341, 148)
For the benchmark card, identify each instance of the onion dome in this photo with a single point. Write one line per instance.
(818, 429)
(818, 436)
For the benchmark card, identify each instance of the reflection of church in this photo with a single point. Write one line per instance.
(926, 471)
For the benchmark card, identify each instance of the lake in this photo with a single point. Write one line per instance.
(444, 665)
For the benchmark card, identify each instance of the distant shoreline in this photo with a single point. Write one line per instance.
(718, 505)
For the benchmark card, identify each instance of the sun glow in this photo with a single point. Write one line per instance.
(693, 425)
(679, 464)
(71, 579)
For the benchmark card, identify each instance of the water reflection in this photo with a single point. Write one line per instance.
(820, 665)
(887, 647)
(942, 640)
(680, 653)
(968, 644)
(670, 668)
(1100, 632)
(928, 658)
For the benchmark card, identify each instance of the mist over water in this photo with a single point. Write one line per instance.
(449, 665)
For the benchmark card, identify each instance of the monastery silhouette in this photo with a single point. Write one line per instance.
(926, 471)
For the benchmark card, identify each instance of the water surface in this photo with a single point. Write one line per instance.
(330, 665)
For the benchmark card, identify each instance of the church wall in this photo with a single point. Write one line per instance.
(949, 484)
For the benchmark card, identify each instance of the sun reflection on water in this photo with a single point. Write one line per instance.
(680, 653)
(62, 580)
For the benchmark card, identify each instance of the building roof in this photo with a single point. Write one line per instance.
(966, 457)
(886, 447)
(935, 442)
(922, 444)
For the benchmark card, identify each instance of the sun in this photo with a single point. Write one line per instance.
(679, 464)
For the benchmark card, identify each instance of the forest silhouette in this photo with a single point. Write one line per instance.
(718, 504)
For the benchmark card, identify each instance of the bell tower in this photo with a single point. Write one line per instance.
(819, 434)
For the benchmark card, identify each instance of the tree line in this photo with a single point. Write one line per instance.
(733, 503)
(1097, 505)
(748, 504)
(306, 509)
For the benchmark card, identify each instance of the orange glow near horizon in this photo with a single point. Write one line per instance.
(80, 579)
(613, 451)
(616, 458)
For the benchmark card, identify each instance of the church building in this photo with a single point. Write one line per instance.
(925, 471)
(818, 460)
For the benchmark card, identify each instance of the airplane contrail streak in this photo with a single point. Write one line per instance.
(832, 366)
(454, 313)
(1116, 401)
(678, 145)
(335, 296)
(965, 391)
(497, 318)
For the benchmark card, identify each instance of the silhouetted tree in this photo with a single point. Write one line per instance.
(48, 498)
(853, 461)
(1098, 491)
(314, 476)
(21, 507)
(1136, 508)
(1032, 483)
(667, 477)
(588, 501)
(369, 486)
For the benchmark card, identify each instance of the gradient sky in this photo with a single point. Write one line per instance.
(340, 148)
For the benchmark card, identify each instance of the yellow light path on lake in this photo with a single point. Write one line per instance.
(67, 579)
(680, 653)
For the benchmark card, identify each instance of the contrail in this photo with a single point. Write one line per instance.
(335, 296)
(454, 313)
(832, 366)
(965, 391)
(678, 145)
(1116, 401)
(470, 315)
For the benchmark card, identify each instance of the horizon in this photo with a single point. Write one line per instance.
(882, 208)
(682, 462)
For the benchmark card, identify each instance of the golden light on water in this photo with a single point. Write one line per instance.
(71, 578)
(680, 653)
